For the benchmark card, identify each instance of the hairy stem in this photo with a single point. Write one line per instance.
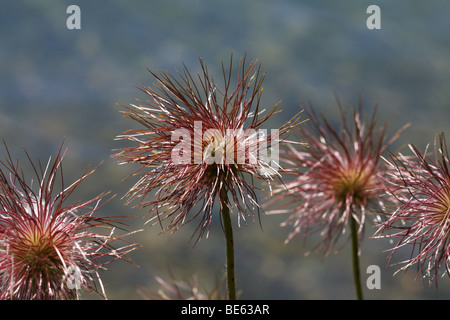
(231, 282)
(355, 259)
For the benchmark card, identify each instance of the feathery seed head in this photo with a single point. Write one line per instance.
(421, 185)
(50, 249)
(198, 142)
(335, 175)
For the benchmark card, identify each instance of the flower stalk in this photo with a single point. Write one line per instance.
(229, 241)
(355, 259)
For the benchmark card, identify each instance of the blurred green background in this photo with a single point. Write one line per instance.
(58, 83)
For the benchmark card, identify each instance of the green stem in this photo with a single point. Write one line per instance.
(231, 282)
(355, 259)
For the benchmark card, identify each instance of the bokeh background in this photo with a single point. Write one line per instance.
(60, 84)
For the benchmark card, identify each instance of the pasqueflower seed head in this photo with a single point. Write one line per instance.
(50, 249)
(334, 175)
(200, 141)
(421, 185)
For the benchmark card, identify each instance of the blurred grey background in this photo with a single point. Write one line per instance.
(57, 83)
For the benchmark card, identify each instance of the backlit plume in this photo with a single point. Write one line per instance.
(335, 176)
(50, 249)
(421, 184)
(200, 141)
